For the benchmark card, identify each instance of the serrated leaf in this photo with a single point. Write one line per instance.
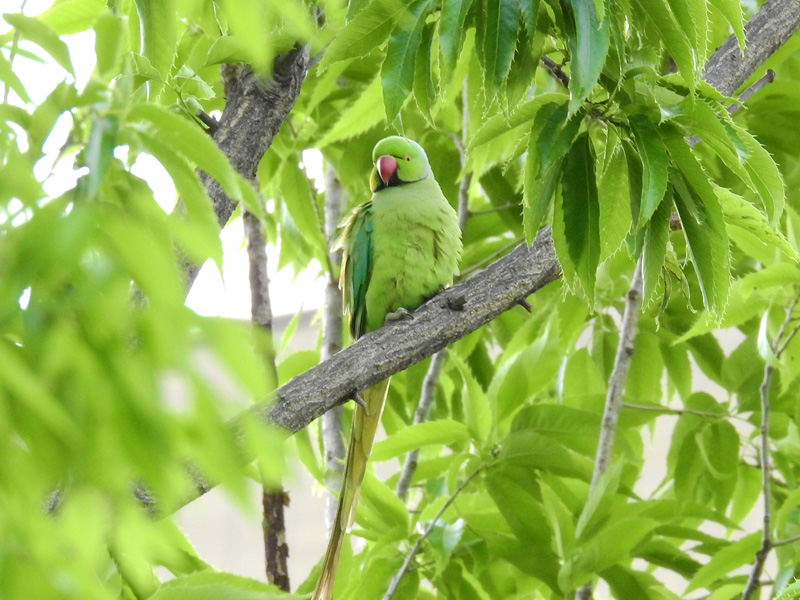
(451, 25)
(732, 11)
(588, 41)
(299, 198)
(765, 176)
(740, 213)
(366, 112)
(703, 224)
(365, 32)
(654, 250)
(377, 496)
(661, 17)
(654, 165)
(397, 72)
(614, 198)
(38, 32)
(501, 123)
(580, 212)
(500, 38)
(726, 560)
(442, 432)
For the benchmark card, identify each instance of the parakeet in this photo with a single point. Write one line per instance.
(399, 249)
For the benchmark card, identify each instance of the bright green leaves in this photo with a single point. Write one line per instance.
(659, 15)
(43, 36)
(500, 29)
(588, 45)
(159, 35)
(397, 73)
(654, 165)
(451, 24)
(579, 212)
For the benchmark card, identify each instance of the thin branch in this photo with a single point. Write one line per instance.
(676, 411)
(332, 439)
(487, 211)
(415, 548)
(555, 70)
(616, 385)
(431, 379)
(273, 499)
(778, 345)
(786, 542)
(761, 82)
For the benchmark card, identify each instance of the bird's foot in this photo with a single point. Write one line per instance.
(455, 302)
(401, 314)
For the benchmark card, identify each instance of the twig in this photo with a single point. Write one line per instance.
(415, 548)
(555, 70)
(786, 542)
(616, 385)
(486, 211)
(762, 81)
(778, 345)
(332, 440)
(431, 379)
(676, 411)
(273, 499)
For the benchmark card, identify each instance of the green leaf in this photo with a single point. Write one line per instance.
(661, 17)
(654, 165)
(500, 37)
(726, 560)
(476, 407)
(560, 519)
(10, 79)
(702, 220)
(580, 212)
(211, 585)
(38, 32)
(765, 176)
(732, 11)
(451, 25)
(363, 114)
(100, 151)
(550, 140)
(108, 43)
(501, 123)
(365, 32)
(613, 195)
(441, 432)
(424, 88)
(66, 17)
(378, 497)
(654, 250)
(535, 451)
(188, 139)
(588, 41)
(764, 344)
(740, 213)
(299, 199)
(397, 73)
(158, 20)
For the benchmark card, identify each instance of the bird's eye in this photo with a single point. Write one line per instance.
(408, 157)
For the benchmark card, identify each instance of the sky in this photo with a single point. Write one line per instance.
(213, 294)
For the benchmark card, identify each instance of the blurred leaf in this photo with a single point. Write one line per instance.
(476, 407)
(415, 436)
(159, 27)
(397, 73)
(43, 36)
(588, 45)
(71, 16)
(219, 586)
(726, 560)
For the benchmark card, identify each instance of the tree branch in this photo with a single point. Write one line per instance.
(486, 294)
(273, 499)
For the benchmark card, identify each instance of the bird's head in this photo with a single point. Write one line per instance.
(398, 161)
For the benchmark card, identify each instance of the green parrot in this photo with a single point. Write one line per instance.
(399, 249)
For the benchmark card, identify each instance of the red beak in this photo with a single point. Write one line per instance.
(386, 166)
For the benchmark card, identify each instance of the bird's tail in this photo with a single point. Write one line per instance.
(365, 424)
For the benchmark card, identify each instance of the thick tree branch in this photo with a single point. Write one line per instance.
(766, 31)
(488, 293)
(253, 114)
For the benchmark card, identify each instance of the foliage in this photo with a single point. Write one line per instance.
(103, 370)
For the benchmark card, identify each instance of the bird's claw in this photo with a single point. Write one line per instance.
(401, 314)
